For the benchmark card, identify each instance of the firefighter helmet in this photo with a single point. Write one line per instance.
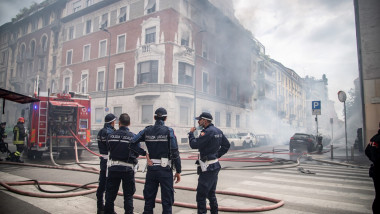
(21, 119)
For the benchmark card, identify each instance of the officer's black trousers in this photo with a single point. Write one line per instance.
(207, 182)
(112, 187)
(102, 182)
(158, 176)
(376, 202)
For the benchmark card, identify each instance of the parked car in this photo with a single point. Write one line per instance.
(303, 141)
(249, 139)
(234, 140)
(263, 139)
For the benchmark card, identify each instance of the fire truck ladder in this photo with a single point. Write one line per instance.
(42, 122)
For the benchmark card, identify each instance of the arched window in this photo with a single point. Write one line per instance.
(32, 48)
(22, 51)
(44, 44)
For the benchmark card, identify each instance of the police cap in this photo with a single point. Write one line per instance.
(160, 112)
(3, 123)
(109, 118)
(204, 115)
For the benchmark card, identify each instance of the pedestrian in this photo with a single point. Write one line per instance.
(108, 128)
(19, 135)
(211, 144)
(162, 156)
(3, 135)
(372, 151)
(123, 154)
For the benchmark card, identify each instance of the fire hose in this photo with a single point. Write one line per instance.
(8, 186)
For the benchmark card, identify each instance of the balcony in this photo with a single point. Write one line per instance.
(20, 59)
(29, 56)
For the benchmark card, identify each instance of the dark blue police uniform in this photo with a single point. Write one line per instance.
(372, 151)
(161, 143)
(103, 150)
(211, 144)
(122, 159)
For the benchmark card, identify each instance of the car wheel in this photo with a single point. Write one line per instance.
(245, 145)
(232, 145)
(251, 144)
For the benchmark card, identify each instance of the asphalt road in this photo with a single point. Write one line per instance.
(327, 188)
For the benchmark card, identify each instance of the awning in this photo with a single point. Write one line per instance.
(63, 104)
(15, 97)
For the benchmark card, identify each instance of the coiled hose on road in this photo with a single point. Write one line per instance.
(90, 188)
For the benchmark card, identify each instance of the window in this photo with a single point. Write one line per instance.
(123, 14)
(86, 52)
(117, 111)
(54, 63)
(205, 82)
(204, 49)
(237, 121)
(184, 115)
(2, 59)
(98, 115)
(77, 5)
(150, 35)
(34, 24)
(52, 86)
(217, 118)
(44, 44)
(71, 32)
(42, 64)
(147, 114)
(121, 43)
(83, 83)
(69, 55)
(24, 29)
(218, 86)
(45, 20)
(228, 120)
(185, 74)
(89, 2)
(151, 6)
(147, 72)
(88, 26)
(119, 77)
(185, 38)
(67, 84)
(100, 81)
(102, 48)
(104, 23)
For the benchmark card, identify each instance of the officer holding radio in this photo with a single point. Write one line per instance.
(211, 144)
(121, 166)
(162, 155)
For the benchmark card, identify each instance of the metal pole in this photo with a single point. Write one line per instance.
(316, 120)
(108, 66)
(345, 128)
(195, 85)
(332, 142)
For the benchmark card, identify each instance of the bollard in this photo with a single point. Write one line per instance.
(352, 153)
(332, 152)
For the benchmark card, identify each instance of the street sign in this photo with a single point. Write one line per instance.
(106, 109)
(316, 107)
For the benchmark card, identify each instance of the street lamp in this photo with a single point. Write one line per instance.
(342, 98)
(195, 75)
(108, 66)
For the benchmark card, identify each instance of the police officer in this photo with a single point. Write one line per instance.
(122, 162)
(211, 144)
(109, 123)
(372, 151)
(19, 135)
(162, 155)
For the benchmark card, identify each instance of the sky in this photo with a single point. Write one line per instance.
(311, 37)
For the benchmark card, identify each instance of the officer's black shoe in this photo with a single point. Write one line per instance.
(100, 210)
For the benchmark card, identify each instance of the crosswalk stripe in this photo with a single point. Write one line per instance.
(314, 177)
(326, 203)
(319, 173)
(78, 204)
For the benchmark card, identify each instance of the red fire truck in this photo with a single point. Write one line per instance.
(51, 120)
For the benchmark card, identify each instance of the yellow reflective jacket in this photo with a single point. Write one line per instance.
(19, 133)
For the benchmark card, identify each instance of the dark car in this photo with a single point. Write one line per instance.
(302, 141)
(263, 139)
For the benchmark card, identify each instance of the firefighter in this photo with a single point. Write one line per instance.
(123, 154)
(211, 144)
(162, 154)
(3, 135)
(372, 151)
(19, 135)
(109, 123)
